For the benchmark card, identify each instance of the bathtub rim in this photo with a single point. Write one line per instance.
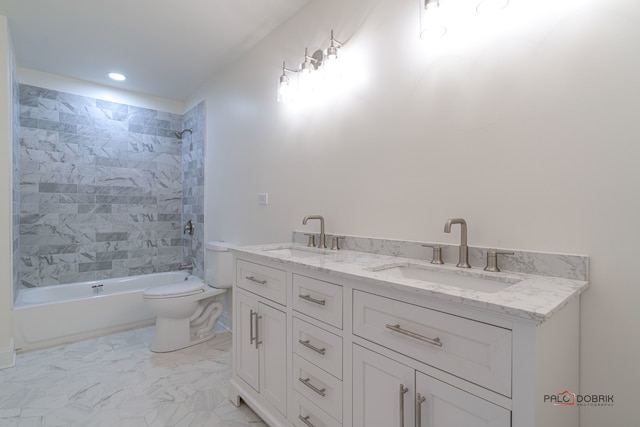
(18, 304)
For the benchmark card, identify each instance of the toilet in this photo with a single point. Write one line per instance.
(187, 312)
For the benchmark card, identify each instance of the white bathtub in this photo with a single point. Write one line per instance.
(58, 314)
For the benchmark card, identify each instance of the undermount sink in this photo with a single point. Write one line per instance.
(456, 279)
(295, 251)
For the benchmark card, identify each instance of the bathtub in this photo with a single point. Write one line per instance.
(53, 315)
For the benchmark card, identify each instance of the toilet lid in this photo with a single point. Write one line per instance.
(181, 289)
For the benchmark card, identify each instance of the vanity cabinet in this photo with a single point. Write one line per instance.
(315, 349)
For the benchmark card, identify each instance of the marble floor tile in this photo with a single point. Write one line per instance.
(117, 381)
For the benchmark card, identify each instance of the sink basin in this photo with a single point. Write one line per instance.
(294, 252)
(475, 282)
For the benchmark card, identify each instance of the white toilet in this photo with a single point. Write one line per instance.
(188, 311)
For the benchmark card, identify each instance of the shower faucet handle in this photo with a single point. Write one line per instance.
(189, 228)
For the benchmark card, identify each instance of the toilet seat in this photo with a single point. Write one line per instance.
(174, 290)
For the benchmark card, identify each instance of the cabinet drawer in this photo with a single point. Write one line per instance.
(318, 299)
(475, 351)
(318, 346)
(307, 414)
(265, 281)
(319, 387)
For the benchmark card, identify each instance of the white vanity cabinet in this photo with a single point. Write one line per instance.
(317, 349)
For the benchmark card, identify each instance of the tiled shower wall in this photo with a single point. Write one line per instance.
(15, 218)
(100, 189)
(193, 186)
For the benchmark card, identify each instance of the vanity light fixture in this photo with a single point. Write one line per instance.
(308, 72)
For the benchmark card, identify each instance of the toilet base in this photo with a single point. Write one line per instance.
(175, 334)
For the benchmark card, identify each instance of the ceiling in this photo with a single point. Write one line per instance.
(166, 48)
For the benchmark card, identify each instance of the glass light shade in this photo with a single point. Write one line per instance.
(432, 19)
(286, 90)
(332, 53)
(332, 69)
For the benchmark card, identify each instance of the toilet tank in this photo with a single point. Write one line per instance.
(218, 264)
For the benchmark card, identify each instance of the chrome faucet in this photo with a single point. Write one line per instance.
(185, 267)
(321, 244)
(463, 262)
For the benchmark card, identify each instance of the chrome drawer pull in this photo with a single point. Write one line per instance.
(306, 420)
(313, 300)
(312, 347)
(253, 279)
(254, 329)
(306, 382)
(251, 327)
(403, 390)
(432, 341)
(419, 400)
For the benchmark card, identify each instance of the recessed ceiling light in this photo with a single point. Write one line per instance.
(117, 76)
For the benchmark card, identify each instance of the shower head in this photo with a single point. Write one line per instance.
(179, 134)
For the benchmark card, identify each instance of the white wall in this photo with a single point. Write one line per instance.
(527, 127)
(7, 353)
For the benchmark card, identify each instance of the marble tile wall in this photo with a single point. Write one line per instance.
(15, 213)
(193, 186)
(100, 189)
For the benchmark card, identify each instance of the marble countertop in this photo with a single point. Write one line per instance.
(532, 297)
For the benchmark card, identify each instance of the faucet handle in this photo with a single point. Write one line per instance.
(437, 253)
(492, 260)
(312, 240)
(335, 242)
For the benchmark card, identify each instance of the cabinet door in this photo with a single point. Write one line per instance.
(272, 335)
(442, 405)
(378, 399)
(246, 355)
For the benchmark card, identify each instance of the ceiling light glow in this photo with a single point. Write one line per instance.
(117, 77)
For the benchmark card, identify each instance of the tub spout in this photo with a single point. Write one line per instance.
(185, 267)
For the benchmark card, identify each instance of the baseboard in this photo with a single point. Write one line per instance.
(8, 356)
